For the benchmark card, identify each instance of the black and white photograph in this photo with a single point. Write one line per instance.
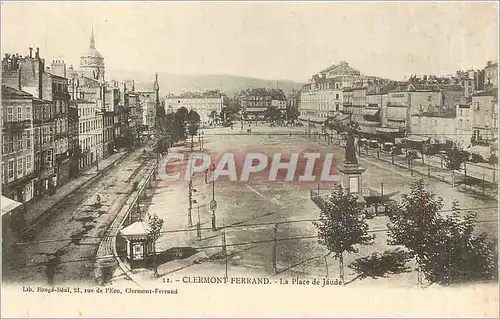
(198, 153)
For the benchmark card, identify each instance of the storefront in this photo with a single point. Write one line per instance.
(416, 142)
(389, 135)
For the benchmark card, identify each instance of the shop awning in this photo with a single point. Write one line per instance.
(368, 129)
(313, 119)
(387, 130)
(8, 205)
(484, 151)
(371, 112)
(417, 138)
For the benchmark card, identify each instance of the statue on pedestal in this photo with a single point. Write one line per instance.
(350, 149)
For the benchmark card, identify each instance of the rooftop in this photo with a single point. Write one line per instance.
(11, 92)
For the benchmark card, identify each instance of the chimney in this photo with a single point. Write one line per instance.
(31, 52)
(19, 79)
(133, 85)
(37, 53)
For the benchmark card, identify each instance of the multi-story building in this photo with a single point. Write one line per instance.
(132, 107)
(407, 100)
(471, 81)
(491, 75)
(18, 174)
(90, 132)
(483, 105)
(255, 102)
(30, 75)
(205, 104)
(114, 102)
(108, 137)
(73, 139)
(322, 96)
(464, 125)
(87, 96)
(279, 104)
(435, 129)
(44, 128)
(60, 98)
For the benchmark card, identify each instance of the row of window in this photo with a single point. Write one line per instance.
(17, 168)
(16, 142)
(86, 111)
(90, 125)
(19, 113)
(91, 141)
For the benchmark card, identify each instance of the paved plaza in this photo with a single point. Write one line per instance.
(249, 211)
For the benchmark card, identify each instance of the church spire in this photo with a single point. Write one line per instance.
(92, 40)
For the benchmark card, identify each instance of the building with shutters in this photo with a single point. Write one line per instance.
(18, 174)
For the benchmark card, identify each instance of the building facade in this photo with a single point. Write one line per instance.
(435, 129)
(205, 104)
(322, 96)
(44, 164)
(464, 125)
(491, 75)
(18, 176)
(30, 75)
(483, 113)
(255, 102)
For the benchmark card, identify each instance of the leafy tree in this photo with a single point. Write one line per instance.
(214, 116)
(340, 227)
(460, 254)
(292, 114)
(413, 223)
(224, 113)
(447, 248)
(193, 123)
(454, 159)
(273, 114)
(155, 225)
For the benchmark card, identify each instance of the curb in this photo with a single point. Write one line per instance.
(107, 247)
(43, 216)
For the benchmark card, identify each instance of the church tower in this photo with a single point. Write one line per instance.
(92, 62)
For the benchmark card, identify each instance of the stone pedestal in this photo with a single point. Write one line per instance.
(352, 180)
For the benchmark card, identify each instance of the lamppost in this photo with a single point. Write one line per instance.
(191, 201)
(201, 140)
(213, 202)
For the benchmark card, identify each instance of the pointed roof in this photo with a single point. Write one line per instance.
(92, 52)
(92, 39)
(139, 228)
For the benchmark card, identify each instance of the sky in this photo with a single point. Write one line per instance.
(270, 40)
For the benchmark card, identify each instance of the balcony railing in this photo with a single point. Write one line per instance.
(17, 125)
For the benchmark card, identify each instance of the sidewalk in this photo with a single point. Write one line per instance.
(431, 170)
(34, 210)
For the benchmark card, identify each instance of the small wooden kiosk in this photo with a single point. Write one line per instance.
(139, 244)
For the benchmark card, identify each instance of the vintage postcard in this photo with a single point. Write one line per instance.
(244, 159)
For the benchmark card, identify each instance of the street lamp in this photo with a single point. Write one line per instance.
(213, 202)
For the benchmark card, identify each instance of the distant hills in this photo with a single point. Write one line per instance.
(178, 83)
